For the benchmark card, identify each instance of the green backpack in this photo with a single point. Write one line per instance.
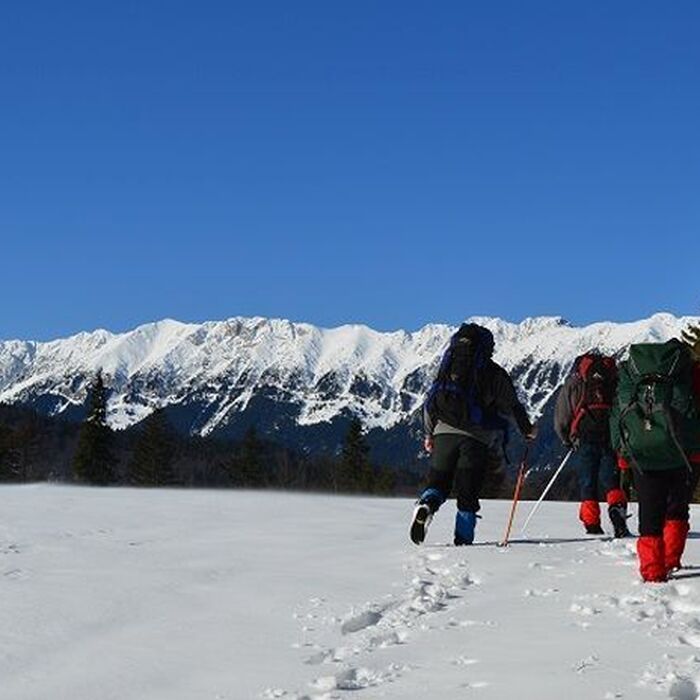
(655, 422)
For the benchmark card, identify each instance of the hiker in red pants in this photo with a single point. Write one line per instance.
(582, 422)
(655, 427)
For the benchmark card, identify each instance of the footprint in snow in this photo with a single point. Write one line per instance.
(683, 689)
(362, 621)
(272, 693)
(331, 656)
(587, 610)
(476, 685)
(478, 623)
(11, 549)
(357, 678)
(539, 566)
(14, 574)
(691, 640)
(464, 661)
(537, 593)
(624, 552)
(341, 654)
(388, 639)
(589, 662)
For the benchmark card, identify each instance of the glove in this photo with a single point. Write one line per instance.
(691, 337)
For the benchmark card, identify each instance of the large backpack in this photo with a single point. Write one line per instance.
(655, 421)
(596, 380)
(454, 396)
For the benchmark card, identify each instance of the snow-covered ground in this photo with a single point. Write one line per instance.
(222, 595)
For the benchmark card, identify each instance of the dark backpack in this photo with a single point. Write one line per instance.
(454, 395)
(655, 422)
(596, 377)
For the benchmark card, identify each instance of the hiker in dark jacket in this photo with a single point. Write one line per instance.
(582, 422)
(656, 429)
(464, 416)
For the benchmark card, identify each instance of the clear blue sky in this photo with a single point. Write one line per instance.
(391, 163)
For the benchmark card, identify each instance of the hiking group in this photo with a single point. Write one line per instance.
(633, 424)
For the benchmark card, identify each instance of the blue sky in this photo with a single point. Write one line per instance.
(378, 162)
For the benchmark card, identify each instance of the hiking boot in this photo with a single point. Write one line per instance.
(594, 529)
(618, 518)
(465, 523)
(422, 515)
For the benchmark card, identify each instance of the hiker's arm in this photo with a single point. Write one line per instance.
(563, 413)
(428, 422)
(615, 439)
(508, 404)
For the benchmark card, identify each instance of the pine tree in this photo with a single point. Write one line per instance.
(8, 469)
(385, 481)
(93, 462)
(28, 447)
(152, 460)
(246, 467)
(355, 471)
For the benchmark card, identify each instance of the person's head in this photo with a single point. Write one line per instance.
(477, 336)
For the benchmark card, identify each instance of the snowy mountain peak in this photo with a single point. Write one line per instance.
(213, 372)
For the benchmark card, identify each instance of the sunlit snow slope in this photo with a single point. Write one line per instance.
(184, 595)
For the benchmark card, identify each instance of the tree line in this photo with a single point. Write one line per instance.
(35, 447)
(151, 454)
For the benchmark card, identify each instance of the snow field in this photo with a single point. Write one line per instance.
(229, 595)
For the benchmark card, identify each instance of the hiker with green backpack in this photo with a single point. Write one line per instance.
(655, 429)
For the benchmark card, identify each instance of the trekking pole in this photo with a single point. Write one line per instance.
(535, 508)
(516, 497)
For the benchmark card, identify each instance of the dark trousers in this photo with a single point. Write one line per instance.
(595, 469)
(662, 495)
(460, 460)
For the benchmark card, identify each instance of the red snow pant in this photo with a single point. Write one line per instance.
(595, 469)
(589, 511)
(663, 520)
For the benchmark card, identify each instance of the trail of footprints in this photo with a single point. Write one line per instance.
(435, 586)
(668, 612)
(9, 572)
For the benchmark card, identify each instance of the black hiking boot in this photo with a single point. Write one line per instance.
(422, 515)
(594, 530)
(618, 518)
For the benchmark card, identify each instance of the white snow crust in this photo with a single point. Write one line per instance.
(226, 595)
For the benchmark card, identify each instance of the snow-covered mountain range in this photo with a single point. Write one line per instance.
(294, 381)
